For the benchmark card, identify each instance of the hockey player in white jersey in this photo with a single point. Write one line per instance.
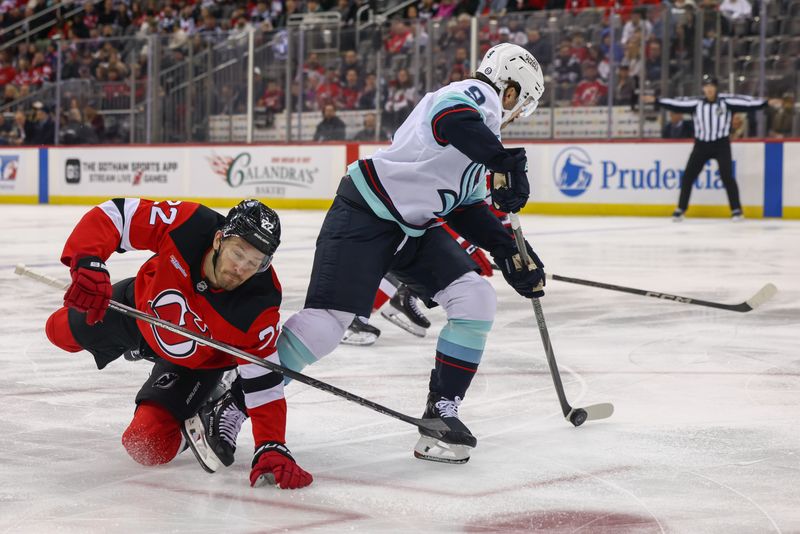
(387, 216)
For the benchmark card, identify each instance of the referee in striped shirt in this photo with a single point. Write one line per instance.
(712, 125)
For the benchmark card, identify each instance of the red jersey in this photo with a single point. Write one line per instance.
(171, 285)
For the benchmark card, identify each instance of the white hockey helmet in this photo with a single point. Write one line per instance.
(507, 63)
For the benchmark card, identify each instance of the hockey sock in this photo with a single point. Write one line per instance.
(154, 436)
(458, 354)
(452, 376)
(59, 332)
(385, 291)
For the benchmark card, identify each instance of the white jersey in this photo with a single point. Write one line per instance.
(420, 178)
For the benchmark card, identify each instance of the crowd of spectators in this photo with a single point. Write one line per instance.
(580, 60)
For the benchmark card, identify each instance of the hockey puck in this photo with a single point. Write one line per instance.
(578, 417)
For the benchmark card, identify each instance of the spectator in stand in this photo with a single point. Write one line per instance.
(313, 68)
(7, 70)
(461, 60)
(75, 131)
(426, 9)
(401, 99)
(578, 47)
(24, 75)
(456, 75)
(590, 91)
(624, 87)
(310, 93)
(637, 23)
(43, 129)
(539, 47)
(369, 95)
(734, 12)
(273, 98)
(652, 63)
(633, 57)
(677, 127)
(351, 90)
(566, 71)
(399, 40)
(446, 9)
(96, 121)
(781, 116)
(330, 90)
(331, 128)
(370, 130)
(350, 60)
(738, 126)
(20, 130)
(10, 93)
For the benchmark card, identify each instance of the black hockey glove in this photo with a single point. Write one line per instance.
(510, 187)
(529, 280)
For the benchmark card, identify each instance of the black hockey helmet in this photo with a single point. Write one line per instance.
(710, 79)
(257, 224)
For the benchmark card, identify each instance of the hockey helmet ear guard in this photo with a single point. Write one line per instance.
(509, 65)
(258, 225)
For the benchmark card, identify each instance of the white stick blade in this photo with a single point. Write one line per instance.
(766, 293)
(599, 411)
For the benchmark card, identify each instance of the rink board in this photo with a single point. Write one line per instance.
(586, 178)
(19, 175)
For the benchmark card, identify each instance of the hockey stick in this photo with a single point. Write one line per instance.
(428, 424)
(576, 416)
(763, 294)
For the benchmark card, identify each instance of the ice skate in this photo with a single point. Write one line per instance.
(452, 446)
(403, 311)
(677, 215)
(360, 333)
(737, 215)
(212, 433)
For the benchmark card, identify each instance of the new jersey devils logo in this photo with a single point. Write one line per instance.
(170, 305)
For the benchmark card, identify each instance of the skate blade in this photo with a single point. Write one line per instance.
(194, 434)
(267, 479)
(433, 450)
(360, 339)
(399, 319)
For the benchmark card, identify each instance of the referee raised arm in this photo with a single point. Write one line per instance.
(712, 125)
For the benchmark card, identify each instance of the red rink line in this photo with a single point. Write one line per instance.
(439, 492)
(339, 516)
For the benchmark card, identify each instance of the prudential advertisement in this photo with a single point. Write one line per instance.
(636, 173)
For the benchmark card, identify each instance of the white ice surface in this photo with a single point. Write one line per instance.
(704, 439)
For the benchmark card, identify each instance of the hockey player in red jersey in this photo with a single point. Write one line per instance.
(210, 274)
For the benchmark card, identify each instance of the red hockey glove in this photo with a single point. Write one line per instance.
(273, 464)
(90, 290)
(477, 256)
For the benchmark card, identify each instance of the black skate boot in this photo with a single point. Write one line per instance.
(360, 333)
(403, 311)
(451, 446)
(212, 433)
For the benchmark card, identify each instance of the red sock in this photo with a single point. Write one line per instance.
(59, 333)
(380, 299)
(154, 435)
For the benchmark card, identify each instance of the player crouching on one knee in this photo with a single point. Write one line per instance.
(212, 275)
(387, 217)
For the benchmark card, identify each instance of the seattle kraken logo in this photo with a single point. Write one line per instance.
(470, 179)
(570, 171)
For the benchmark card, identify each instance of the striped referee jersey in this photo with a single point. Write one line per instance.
(712, 120)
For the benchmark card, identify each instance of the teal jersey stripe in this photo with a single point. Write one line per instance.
(377, 207)
(292, 353)
(468, 333)
(459, 352)
(449, 100)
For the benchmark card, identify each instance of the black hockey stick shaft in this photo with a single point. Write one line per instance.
(741, 307)
(429, 424)
(539, 313)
